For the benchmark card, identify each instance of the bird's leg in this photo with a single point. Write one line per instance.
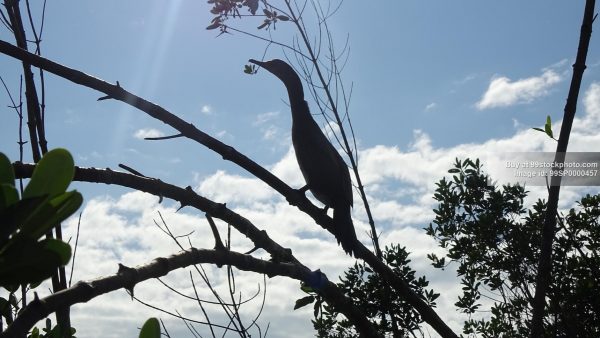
(303, 189)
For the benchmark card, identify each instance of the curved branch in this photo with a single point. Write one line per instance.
(332, 294)
(187, 197)
(127, 278)
(229, 153)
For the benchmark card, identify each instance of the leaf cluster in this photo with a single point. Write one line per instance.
(224, 9)
(379, 302)
(26, 257)
(49, 331)
(495, 241)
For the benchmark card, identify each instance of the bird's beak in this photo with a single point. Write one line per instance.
(256, 62)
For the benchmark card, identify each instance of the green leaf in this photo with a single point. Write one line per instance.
(317, 307)
(8, 195)
(150, 329)
(548, 127)
(17, 214)
(29, 261)
(37, 222)
(52, 175)
(34, 285)
(35, 333)
(306, 288)
(8, 192)
(304, 301)
(51, 213)
(60, 248)
(283, 18)
(7, 175)
(66, 204)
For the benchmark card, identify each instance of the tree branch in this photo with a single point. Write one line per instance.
(187, 196)
(549, 229)
(127, 278)
(230, 154)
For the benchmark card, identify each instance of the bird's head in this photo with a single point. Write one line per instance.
(286, 74)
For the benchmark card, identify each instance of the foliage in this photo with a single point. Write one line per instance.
(495, 242)
(150, 329)
(547, 128)
(26, 258)
(224, 9)
(49, 331)
(369, 293)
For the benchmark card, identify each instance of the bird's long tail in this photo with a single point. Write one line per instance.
(344, 229)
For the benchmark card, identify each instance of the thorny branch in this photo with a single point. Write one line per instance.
(229, 153)
(260, 238)
(127, 278)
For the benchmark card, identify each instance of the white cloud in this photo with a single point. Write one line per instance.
(400, 183)
(430, 106)
(503, 92)
(402, 214)
(287, 169)
(465, 79)
(206, 109)
(265, 117)
(591, 104)
(223, 187)
(148, 132)
(224, 135)
(584, 134)
(123, 231)
(330, 129)
(270, 131)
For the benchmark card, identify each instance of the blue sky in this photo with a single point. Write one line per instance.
(431, 81)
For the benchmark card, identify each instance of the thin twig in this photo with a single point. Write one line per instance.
(75, 250)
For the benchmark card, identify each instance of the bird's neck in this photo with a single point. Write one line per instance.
(299, 107)
(294, 88)
(300, 110)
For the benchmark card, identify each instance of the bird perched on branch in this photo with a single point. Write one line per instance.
(323, 168)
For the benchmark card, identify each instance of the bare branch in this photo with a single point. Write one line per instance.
(127, 278)
(229, 153)
(549, 229)
(187, 196)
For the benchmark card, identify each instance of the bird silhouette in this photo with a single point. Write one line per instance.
(323, 168)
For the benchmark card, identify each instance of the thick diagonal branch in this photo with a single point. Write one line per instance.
(229, 153)
(549, 229)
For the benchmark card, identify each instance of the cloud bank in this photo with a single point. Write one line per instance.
(400, 182)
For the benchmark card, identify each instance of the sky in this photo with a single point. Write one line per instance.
(431, 81)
